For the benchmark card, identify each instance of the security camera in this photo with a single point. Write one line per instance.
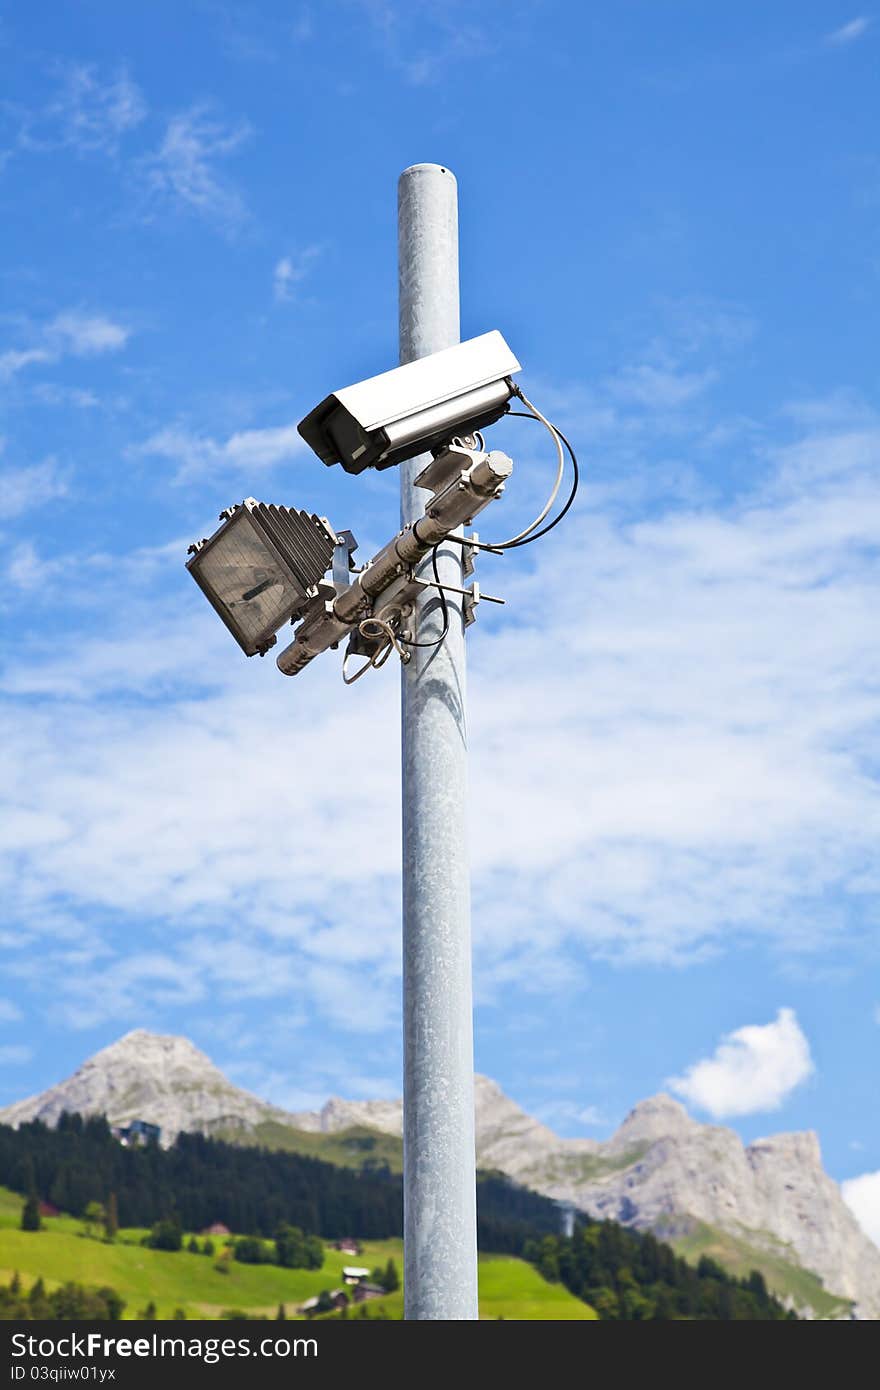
(414, 408)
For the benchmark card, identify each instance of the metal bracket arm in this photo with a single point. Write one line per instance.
(326, 622)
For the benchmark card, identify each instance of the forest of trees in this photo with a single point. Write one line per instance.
(261, 1194)
(70, 1303)
(630, 1276)
(252, 1191)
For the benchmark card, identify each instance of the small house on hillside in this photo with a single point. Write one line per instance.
(353, 1274)
(137, 1132)
(364, 1291)
(216, 1228)
(347, 1246)
(48, 1209)
(334, 1301)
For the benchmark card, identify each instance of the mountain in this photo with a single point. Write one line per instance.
(768, 1205)
(147, 1076)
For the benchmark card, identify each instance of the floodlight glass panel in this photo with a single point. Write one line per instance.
(257, 569)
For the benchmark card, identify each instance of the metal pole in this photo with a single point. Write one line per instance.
(440, 1238)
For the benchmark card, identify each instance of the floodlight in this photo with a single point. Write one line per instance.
(413, 408)
(262, 567)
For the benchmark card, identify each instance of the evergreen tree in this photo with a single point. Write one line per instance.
(30, 1214)
(391, 1278)
(165, 1235)
(281, 1315)
(192, 1245)
(208, 1247)
(112, 1303)
(111, 1217)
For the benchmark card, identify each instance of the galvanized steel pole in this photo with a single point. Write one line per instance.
(440, 1244)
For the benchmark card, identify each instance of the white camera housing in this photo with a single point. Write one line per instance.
(407, 411)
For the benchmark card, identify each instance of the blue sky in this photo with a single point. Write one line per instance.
(672, 213)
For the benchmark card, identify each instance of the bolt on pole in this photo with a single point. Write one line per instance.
(440, 1236)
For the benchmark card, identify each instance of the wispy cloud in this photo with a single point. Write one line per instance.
(421, 41)
(26, 570)
(290, 271)
(183, 173)
(15, 360)
(87, 335)
(753, 1069)
(23, 489)
(196, 454)
(710, 690)
(15, 1054)
(89, 113)
(658, 388)
(568, 1114)
(9, 1012)
(73, 333)
(51, 393)
(848, 33)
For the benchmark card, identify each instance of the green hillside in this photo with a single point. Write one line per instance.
(777, 1262)
(347, 1148)
(510, 1288)
(60, 1252)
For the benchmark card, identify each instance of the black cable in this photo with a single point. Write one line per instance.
(487, 545)
(535, 535)
(443, 605)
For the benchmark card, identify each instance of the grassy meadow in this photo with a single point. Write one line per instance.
(509, 1288)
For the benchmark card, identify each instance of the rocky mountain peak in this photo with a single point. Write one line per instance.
(143, 1048)
(659, 1117)
(157, 1077)
(801, 1147)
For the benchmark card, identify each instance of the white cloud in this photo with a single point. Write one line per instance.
(422, 42)
(71, 333)
(50, 393)
(568, 1113)
(89, 113)
(706, 769)
(9, 1012)
(87, 335)
(183, 171)
(753, 1069)
(862, 1196)
(14, 1055)
(14, 360)
(658, 388)
(245, 450)
(263, 448)
(26, 570)
(291, 270)
(23, 489)
(848, 33)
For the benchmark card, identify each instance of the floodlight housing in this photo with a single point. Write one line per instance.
(414, 408)
(262, 567)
